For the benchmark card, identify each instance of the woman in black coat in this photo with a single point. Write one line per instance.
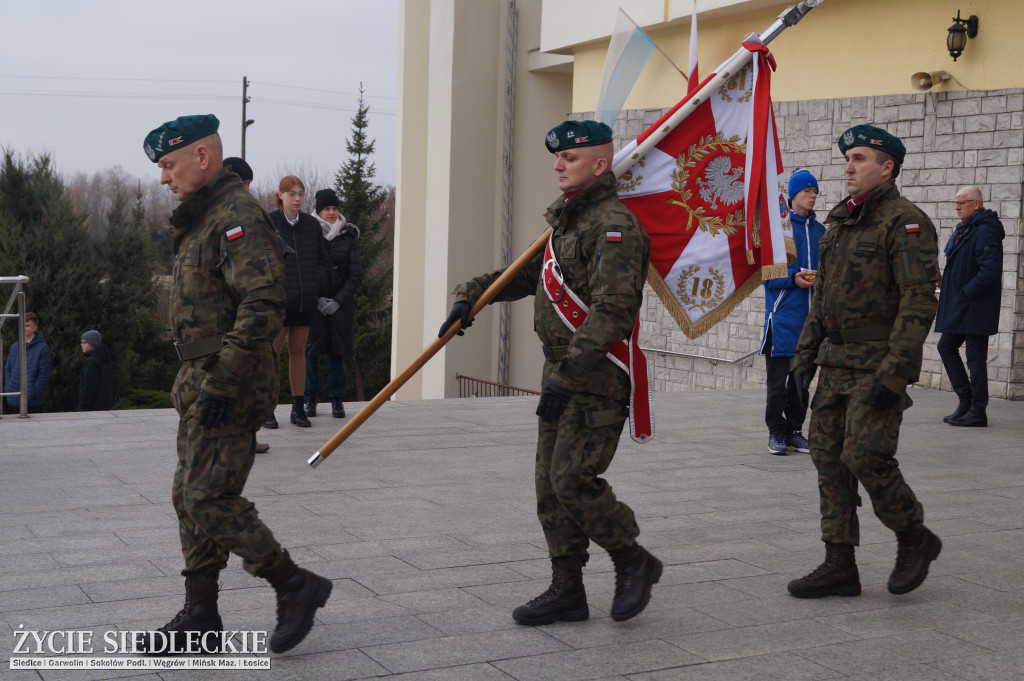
(305, 266)
(333, 328)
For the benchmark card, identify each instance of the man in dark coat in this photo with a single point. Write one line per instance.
(96, 385)
(968, 309)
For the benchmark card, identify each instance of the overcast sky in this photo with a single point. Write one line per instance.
(86, 81)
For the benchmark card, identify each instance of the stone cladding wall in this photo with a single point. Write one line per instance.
(953, 139)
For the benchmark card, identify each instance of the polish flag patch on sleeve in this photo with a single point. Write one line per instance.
(235, 233)
(613, 236)
(912, 229)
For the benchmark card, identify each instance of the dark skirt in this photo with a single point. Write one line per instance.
(298, 318)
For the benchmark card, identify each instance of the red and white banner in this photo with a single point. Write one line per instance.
(710, 197)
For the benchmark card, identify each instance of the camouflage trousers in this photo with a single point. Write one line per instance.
(852, 442)
(213, 516)
(574, 505)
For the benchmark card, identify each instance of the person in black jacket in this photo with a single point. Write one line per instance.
(969, 302)
(96, 385)
(304, 270)
(333, 330)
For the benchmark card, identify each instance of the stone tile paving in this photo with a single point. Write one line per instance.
(425, 521)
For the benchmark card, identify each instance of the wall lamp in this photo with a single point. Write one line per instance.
(959, 32)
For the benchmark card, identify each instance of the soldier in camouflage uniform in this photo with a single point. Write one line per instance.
(874, 300)
(603, 253)
(227, 304)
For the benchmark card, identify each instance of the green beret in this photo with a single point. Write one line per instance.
(870, 136)
(577, 134)
(176, 134)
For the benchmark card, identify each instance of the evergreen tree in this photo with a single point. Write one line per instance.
(365, 204)
(142, 355)
(78, 282)
(43, 237)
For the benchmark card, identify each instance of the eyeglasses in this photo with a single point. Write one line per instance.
(295, 195)
(960, 203)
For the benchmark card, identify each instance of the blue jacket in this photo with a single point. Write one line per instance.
(37, 363)
(972, 281)
(785, 304)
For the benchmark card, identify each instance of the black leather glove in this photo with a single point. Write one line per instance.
(214, 410)
(553, 401)
(460, 311)
(880, 397)
(802, 378)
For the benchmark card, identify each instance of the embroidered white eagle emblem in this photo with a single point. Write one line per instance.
(721, 182)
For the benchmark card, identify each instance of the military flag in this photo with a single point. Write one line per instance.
(709, 195)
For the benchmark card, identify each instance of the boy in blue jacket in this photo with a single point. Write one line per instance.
(787, 301)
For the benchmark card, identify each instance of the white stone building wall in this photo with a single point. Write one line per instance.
(953, 139)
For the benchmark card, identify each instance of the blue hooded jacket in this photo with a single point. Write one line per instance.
(785, 304)
(37, 364)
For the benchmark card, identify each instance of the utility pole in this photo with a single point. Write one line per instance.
(245, 122)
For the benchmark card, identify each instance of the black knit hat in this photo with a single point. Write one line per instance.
(241, 168)
(325, 198)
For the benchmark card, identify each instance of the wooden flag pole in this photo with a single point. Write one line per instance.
(391, 388)
(789, 17)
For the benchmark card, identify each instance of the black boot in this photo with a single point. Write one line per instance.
(310, 408)
(197, 628)
(565, 599)
(636, 571)
(837, 576)
(961, 409)
(915, 550)
(271, 423)
(337, 409)
(298, 413)
(299, 594)
(974, 418)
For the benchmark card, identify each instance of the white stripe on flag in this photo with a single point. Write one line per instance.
(628, 52)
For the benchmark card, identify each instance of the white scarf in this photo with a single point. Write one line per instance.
(331, 229)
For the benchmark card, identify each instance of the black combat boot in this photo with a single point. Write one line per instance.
(271, 423)
(197, 628)
(565, 599)
(310, 408)
(636, 571)
(298, 413)
(299, 594)
(915, 550)
(961, 409)
(974, 418)
(337, 409)
(837, 576)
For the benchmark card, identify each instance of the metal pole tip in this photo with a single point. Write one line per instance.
(315, 460)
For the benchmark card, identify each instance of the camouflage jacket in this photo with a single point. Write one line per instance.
(228, 273)
(608, 274)
(877, 274)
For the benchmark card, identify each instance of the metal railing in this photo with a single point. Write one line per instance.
(17, 296)
(478, 387)
(713, 360)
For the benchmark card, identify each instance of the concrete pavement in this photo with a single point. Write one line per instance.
(425, 521)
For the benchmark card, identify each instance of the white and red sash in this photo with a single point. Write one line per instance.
(625, 354)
